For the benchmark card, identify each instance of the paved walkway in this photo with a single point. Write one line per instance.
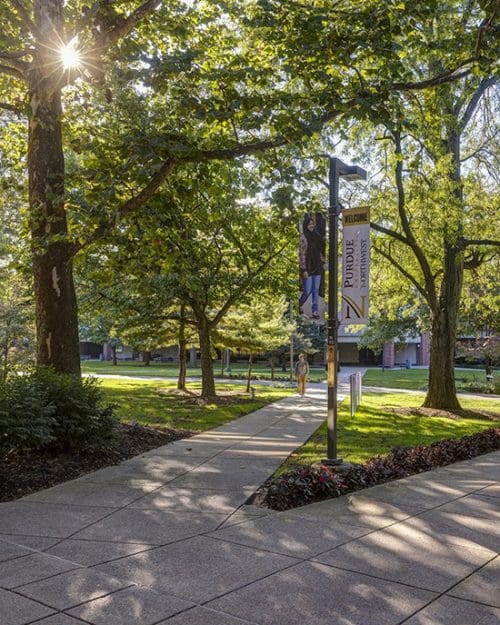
(166, 539)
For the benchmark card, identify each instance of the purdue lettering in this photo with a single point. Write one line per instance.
(348, 263)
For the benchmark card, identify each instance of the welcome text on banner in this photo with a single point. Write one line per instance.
(355, 265)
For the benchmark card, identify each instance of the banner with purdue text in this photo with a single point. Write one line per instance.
(355, 265)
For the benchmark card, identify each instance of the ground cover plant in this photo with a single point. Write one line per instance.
(312, 483)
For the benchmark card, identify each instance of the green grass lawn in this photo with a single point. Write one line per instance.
(416, 379)
(375, 428)
(393, 378)
(156, 403)
(171, 370)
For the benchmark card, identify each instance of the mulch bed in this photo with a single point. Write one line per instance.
(26, 471)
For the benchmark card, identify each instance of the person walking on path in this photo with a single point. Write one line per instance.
(301, 371)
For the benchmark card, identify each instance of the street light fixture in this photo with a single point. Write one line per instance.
(337, 170)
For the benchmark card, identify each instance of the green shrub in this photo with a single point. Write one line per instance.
(42, 409)
(26, 414)
(477, 386)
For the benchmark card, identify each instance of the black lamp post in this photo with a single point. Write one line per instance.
(338, 170)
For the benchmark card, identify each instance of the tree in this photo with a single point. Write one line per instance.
(31, 58)
(51, 45)
(256, 327)
(435, 194)
(485, 349)
(424, 95)
(208, 251)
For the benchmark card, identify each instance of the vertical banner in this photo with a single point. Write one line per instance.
(355, 265)
(312, 260)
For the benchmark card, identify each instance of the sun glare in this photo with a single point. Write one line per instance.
(70, 55)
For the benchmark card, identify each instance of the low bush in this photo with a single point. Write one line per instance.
(314, 483)
(475, 386)
(41, 409)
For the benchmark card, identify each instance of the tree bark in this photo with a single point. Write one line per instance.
(207, 367)
(146, 358)
(442, 392)
(181, 380)
(249, 374)
(52, 255)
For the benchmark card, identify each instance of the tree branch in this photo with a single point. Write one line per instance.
(247, 149)
(483, 27)
(491, 242)
(392, 233)
(240, 149)
(440, 79)
(244, 285)
(18, 54)
(476, 98)
(85, 20)
(12, 71)
(130, 205)
(197, 156)
(405, 273)
(11, 107)
(412, 242)
(124, 25)
(24, 15)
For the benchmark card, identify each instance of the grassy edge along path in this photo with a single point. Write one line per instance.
(159, 404)
(387, 420)
(417, 379)
(171, 370)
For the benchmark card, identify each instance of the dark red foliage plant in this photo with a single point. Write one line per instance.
(312, 483)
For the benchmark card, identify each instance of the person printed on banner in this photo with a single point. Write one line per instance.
(301, 373)
(311, 264)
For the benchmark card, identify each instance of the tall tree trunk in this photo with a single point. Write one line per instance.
(146, 358)
(113, 351)
(52, 254)
(207, 366)
(442, 392)
(181, 380)
(5, 366)
(249, 374)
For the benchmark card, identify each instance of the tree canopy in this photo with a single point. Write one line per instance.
(122, 112)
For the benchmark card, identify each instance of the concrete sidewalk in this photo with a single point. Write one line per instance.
(166, 539)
